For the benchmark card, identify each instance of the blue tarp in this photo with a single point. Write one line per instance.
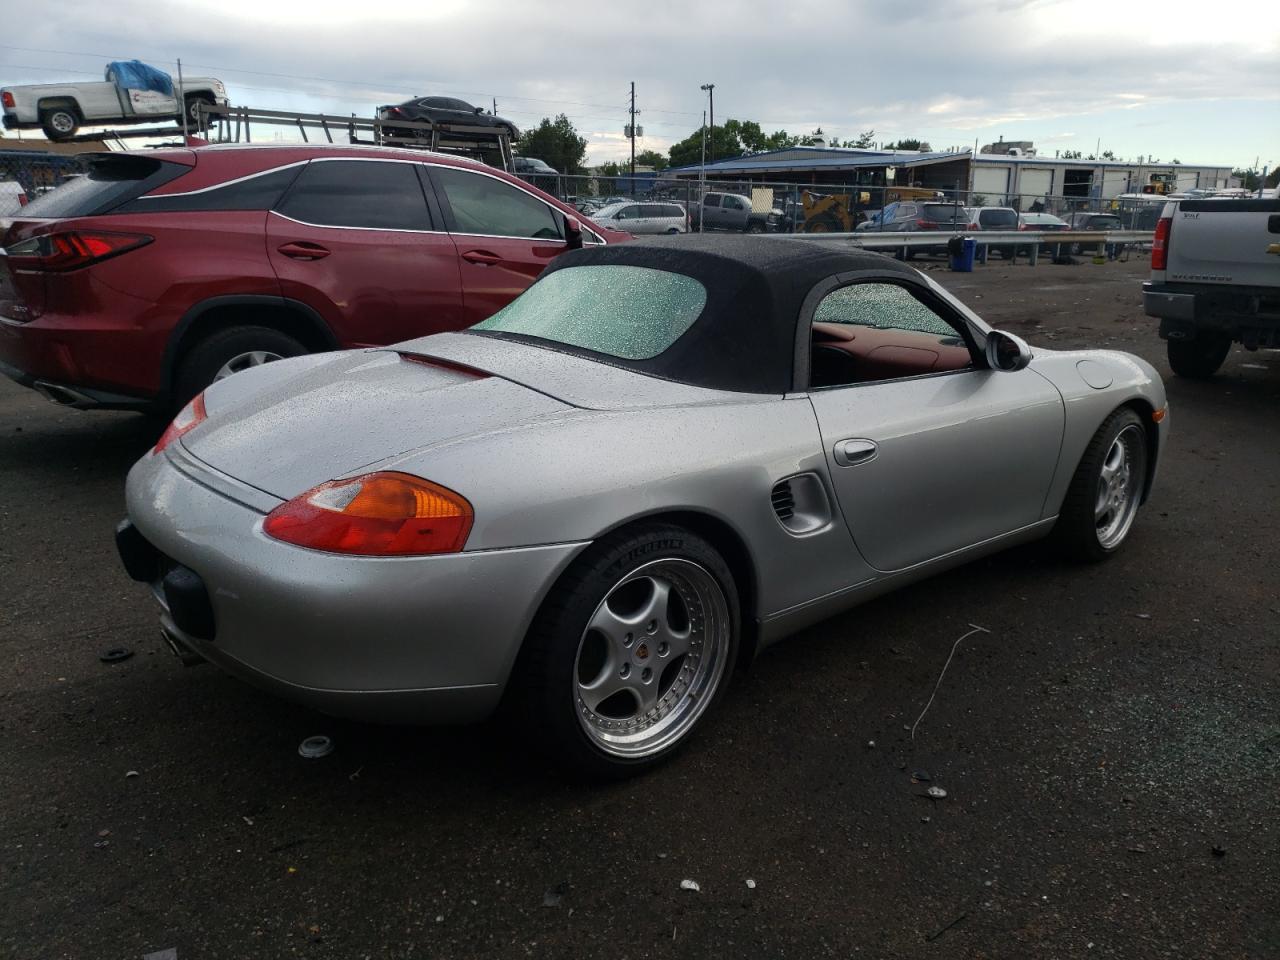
(136, 75)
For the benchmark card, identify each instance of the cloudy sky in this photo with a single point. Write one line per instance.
(1173, 79)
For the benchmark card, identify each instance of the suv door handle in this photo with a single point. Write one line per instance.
(849, 453)
(483, 257)
(303, 250)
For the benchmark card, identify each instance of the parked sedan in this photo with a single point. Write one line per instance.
(1104, 222)
(1042, 223)
(449, 110)
(660, 459)
(642, 218)
(915, 215)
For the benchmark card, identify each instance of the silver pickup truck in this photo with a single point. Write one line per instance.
(60, 109)
(1215, 280)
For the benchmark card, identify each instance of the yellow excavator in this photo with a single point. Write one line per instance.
(834, 212)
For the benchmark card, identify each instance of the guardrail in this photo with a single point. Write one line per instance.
(1020, 241)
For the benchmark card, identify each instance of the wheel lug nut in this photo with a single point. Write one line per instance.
(652, 626)
(628, 640)
(646, 675)
(625, 671)
(663, 648)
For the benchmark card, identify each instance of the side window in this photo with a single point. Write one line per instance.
(255, 193)
(626, 213)
(489, 206)
(711, 200)
(733, 203)
(907, 210)
(868, 332)
(358, 193)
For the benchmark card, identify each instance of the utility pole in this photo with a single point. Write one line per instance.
(632, 131)
(495, 106)
(711, 96)
(182, 100)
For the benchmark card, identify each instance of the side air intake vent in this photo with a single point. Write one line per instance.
(800, 503)
(784, 502)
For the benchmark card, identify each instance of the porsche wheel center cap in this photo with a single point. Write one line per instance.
(642, 652)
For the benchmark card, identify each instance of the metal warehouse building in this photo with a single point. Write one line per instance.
(1000, 178)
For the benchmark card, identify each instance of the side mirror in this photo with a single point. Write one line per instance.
(1007, 352)
(572, 233)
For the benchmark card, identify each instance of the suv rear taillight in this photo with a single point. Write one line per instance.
(1160, 244)
(926, 225)
(7, 98)
(72, 249)
(22, 199)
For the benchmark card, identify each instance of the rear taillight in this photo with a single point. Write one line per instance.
(974, 226)
(1024, 226)
(188, 418)
(926, 225)
(7, 99)
(1160, 244)
(22, 199)
(378, 514)
(72, 249)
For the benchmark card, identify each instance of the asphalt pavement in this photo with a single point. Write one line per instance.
(1109, 748)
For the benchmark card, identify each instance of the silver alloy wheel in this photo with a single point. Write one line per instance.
(62, 121)
(651, 658)
(243, 361)
(1119, 486)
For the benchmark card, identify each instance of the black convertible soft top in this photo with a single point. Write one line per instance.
(744, 340)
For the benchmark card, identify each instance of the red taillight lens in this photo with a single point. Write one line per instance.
(188, 418)
(22, 199)
(7, 99)
(378, 514)
(926, 225)
(1160, 244)
(71, 250)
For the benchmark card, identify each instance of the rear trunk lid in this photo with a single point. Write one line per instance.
(318, 418)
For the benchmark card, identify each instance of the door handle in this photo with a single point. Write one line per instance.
(849, 453)
(303, 250)
(483, 257)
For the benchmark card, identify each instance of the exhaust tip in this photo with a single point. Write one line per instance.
(62, 396)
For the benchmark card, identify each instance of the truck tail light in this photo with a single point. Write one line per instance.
(1160, 244)
(22, 199)
(380, 514)
(7, 99)
(72, 250)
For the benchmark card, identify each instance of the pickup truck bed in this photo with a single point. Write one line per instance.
(1215, 280)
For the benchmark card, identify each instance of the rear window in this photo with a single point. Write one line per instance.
(998, 218)
(110, 182)
(943, 212)
(1103, 223)
(632, 313)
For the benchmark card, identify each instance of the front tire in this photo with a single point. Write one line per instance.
(193, 105)
(226, 352)
(630, 651)
(1105, 493)
(1200, 358)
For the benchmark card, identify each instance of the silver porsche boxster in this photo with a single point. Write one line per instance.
(655, 462)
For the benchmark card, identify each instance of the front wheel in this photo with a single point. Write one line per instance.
(194, 105)
(1199, 358)
(1104, 495)
(630, 651)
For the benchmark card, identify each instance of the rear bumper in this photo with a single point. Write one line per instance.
(402, 639)
(78, 366)
(1250, 315)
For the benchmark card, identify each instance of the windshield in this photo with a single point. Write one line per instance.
(999, 218)
(632, 313)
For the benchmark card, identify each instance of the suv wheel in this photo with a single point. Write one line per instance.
(226, 352)
(1201, 357)
(755, 226)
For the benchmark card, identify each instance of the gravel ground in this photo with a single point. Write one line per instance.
(1110, 748)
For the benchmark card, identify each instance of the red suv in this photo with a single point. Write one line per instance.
(138, 285)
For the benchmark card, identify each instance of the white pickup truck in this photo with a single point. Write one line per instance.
(1215, 280)
(60, 109)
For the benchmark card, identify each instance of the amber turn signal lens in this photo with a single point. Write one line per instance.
(378, 514)
(1158, 415)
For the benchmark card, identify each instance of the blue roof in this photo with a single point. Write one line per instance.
(823, 158)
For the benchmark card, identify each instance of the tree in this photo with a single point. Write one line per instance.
(1108, 155)
(722, 144)
(612, 169)
(1072, 155)
(865, 139)
(1249, 179)
(557, 143)
(1273, 178)
(651, 158)
(911, 144)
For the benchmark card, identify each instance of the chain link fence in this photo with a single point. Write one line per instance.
(780, 207)
(38, 173)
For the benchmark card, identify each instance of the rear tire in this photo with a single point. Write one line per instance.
(1200, 358)
(1103, 498)
(193, 104)
(226, 351)
(59, 123)
(594, 654)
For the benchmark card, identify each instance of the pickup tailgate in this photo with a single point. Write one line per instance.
(1224, 241)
